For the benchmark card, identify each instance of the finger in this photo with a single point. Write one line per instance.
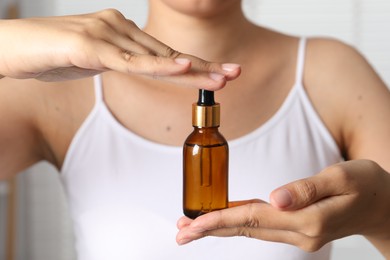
(175, 71)
(200, 80)
(229, 70)
(255, 215)
(244, 202)
(186, 235)
(109, 27)
(300, 240)
(213, 75)
(114, 58)
(304, 192)
(129, 45)
(149, 41)
(183, 222)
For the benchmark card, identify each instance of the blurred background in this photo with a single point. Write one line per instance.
(34, 219)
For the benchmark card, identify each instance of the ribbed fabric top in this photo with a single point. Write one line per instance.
(125, 192)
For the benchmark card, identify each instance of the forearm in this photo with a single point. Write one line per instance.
(381, 238)
(383, 245)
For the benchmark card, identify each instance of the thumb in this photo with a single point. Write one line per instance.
(302, 193)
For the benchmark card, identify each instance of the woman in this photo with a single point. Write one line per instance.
(299, 108)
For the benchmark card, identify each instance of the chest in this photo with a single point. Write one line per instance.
(161, 112)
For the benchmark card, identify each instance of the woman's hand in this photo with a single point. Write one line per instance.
(348, 198)
(70, 47)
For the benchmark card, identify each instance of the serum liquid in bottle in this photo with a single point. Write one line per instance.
(205, 160)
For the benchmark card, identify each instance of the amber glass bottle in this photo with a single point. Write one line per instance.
(205, 160)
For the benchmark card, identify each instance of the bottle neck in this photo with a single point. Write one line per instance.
(209, 129)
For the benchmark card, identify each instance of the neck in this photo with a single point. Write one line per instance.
(215, 36)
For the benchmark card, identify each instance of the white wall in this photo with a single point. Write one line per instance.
(133, 9)
(30, 8)
(363, 23)
(44, 226)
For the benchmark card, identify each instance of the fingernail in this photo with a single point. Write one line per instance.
(216, 76)
(230, 66)
(182, 61)
(282, 198)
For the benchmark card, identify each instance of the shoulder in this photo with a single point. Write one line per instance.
(46, 113)
(336, 58)
(340, 71)
(342, 85)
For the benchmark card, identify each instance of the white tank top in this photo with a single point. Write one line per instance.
(125, 192)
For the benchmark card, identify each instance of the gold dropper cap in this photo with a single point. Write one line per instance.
(205, 116)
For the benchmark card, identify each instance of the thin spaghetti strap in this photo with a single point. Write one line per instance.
(98, 86)
(300, 61)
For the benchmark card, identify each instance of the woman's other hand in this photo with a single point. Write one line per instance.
(344, 199)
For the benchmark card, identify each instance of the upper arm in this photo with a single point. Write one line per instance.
(367, 130)
(20, 141)
(352, 100)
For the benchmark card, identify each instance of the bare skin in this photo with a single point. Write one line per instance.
(358, 116)
(41, 128)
